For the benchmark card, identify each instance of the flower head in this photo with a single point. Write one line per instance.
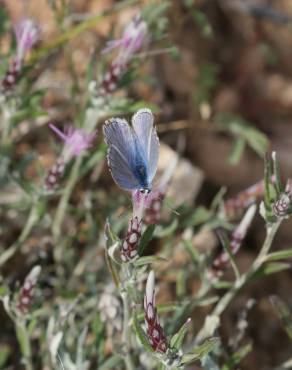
(27, 34)
(156, 336)
(222, 261)
(27, 290)
(76, 141)
(131, 42)
(283, 206)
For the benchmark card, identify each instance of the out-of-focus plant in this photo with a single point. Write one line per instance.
(93, 304)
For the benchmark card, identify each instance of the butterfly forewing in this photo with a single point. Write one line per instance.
(121, 154)
(142, 123)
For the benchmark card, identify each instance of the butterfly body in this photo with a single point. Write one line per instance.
(133, 151)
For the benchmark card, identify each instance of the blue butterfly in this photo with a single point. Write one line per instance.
(133, 150)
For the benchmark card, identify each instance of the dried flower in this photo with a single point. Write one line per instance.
(155, 333)
(26, 292)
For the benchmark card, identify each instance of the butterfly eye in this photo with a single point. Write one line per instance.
(145, 191)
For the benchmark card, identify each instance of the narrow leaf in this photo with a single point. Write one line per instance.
(236, 357)
(200, 351)
(286, 253)
(177, 340)
(283, 313)
(146, 237)
(147, 260)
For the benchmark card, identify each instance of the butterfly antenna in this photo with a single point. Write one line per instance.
(174, 211)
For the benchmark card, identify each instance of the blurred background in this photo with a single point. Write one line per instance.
(221, 78)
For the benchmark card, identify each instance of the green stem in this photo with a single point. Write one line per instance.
(31, 221)
(242, 281)
(24, 343)
(126, 337)
(5, 122)
(271, 232)
(63, 203)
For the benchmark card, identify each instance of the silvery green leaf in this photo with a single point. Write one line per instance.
(177, 340)
(54, 345)
(283, 313)
(147, 260)
(209, 364)
(200, 352)
(286, 253)
(113, 252)
(236, 357)
(270, 268)
(162, 232)
(212, 323)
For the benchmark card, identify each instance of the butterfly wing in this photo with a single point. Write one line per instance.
(120, 139)
(142, 123)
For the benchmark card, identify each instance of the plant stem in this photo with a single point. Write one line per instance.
(241, 282)
(24, 343)
(126, 331)
(31, 221)
(271, 231)
(62, 206)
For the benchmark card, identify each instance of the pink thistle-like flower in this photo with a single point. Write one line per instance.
(27, 290)
(155, 332)
(222, 262)
(27, 33)
(131, 42)
(76, 141)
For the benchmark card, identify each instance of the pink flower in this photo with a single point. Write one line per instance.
(131, 42)
(76, 141)
(222, 261)
(27, 34)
